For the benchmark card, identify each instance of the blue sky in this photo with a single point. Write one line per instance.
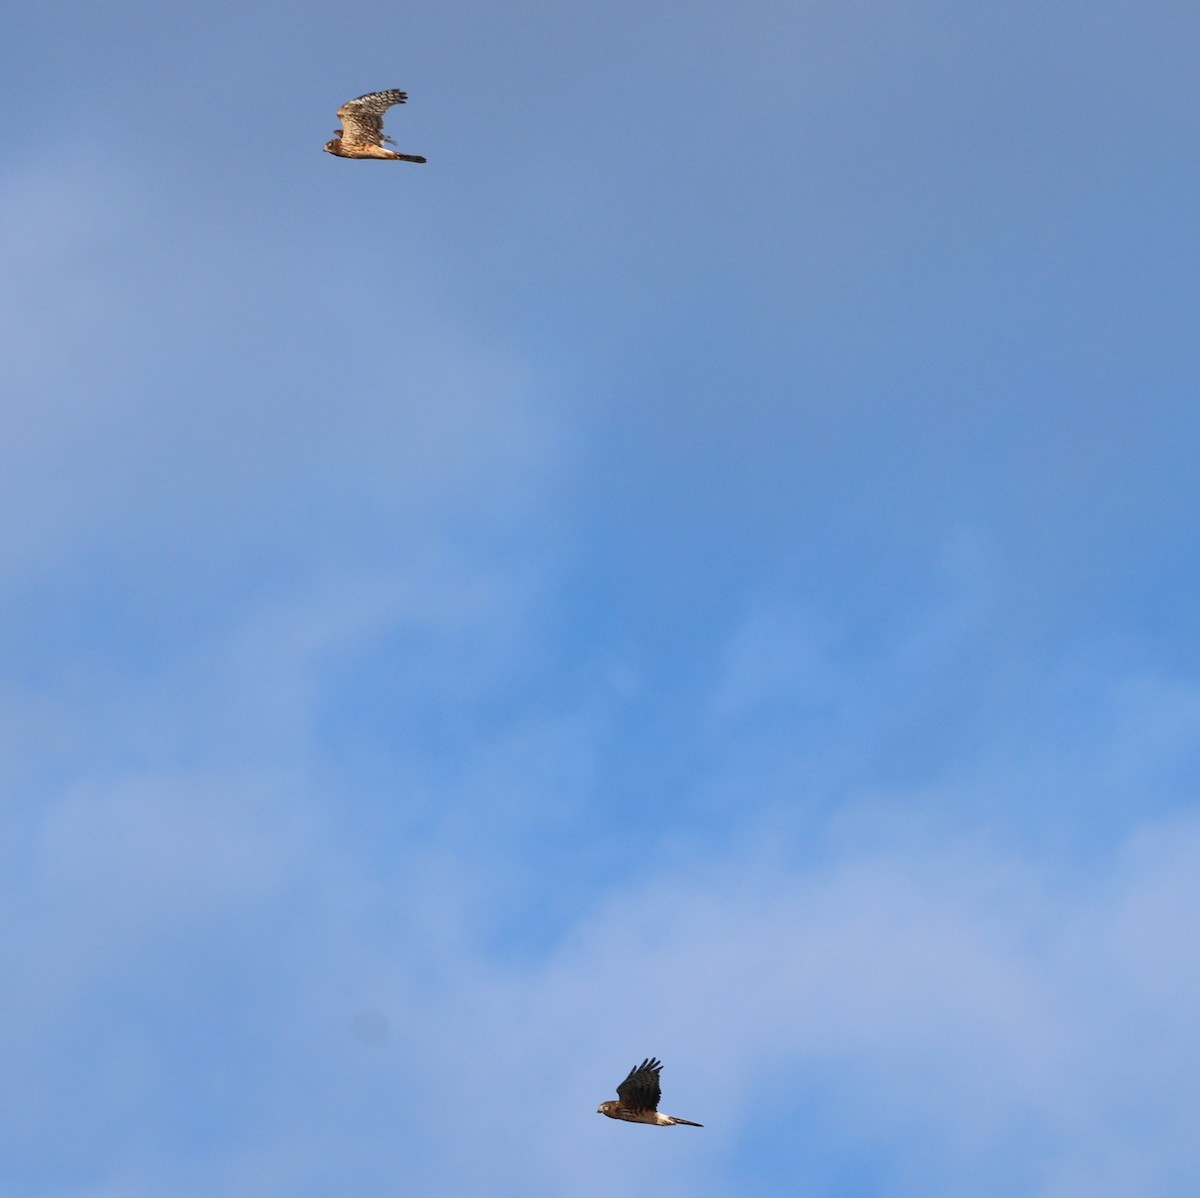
(707, 567)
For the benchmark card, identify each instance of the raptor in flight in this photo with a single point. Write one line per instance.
(638, 1097)
(361, 134)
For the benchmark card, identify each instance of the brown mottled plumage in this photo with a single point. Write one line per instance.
(361, 134)
(638, 1097)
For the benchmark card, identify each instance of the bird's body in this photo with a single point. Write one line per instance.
(638, 1097)
(361, 134)
(614, 1110)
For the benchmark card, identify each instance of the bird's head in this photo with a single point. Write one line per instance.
(334, 147)
(606, 1108)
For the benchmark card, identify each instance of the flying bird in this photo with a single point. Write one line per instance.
(361, 134)
(638, 1097)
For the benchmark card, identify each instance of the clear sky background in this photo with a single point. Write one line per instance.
(707, 567)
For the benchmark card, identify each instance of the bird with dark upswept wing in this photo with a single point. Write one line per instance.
(361, 134)
(638, 1097)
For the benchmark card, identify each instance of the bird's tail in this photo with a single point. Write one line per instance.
(411, 158)
(685, 1122)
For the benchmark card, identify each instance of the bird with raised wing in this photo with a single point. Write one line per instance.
(638, 1097)
(361, 134)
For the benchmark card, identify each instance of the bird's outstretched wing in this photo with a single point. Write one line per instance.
(642, 1090)
(362, 119)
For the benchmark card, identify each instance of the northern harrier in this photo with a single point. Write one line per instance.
(361, 134)
(638, 1098)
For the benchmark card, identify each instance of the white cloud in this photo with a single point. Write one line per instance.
(946, 1003)
(185, 387)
